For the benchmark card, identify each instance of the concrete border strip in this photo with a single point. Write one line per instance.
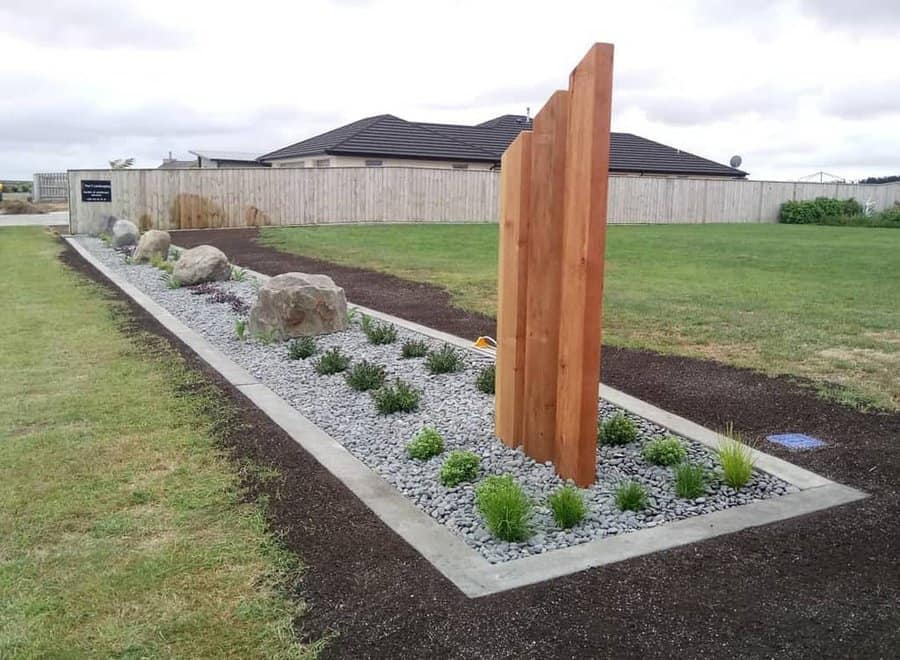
(448, 553)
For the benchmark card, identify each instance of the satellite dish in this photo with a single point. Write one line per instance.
(736, 161)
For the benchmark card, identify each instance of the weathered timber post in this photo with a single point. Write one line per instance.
(552, 238)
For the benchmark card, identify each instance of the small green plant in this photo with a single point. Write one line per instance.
(129, 260)
(619, 430)
(174, 254)
(377, 332)
(238, 274)
(506, 509)
(427, 443)
(414, 348)
(240, 328)
(690, 480)
(396, 397)
(265, 336)
(736, 459)
(352, 313)
(332, 362)
(630, 496)
(485, 380)
(444, 360)
(302, 348)
(365, 375)
(158, 262)
(105, 236)
(460, 466)
(171, 281)
(568, 507)
(665, 451)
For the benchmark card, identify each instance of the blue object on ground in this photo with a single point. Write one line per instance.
(796, 441)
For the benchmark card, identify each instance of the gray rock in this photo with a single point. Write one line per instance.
(297, 304)
(100, 225)
(124, 232)
(152, 243)
(203, 263)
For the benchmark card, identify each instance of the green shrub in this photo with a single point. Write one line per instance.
(396, 397)
(460, 466)
(378, 333)
(665, 451)
(736, 459)
(240, 328)
(815, 211)
(444, 360)
(690, 480)
(158, 262)
(891, 215)
(427, 443)
(631, 496)
(506, 509)
(568, 507)
(238, 274)
(302, 348)
(619, 430)
(171, 281)
(331, 362)
(365, 375)
(485, 380)
(414, 348)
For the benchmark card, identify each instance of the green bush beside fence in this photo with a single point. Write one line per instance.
(840, 212)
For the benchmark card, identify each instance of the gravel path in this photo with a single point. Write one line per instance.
(451, 404)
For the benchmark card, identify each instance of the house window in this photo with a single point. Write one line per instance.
(460, 166)
(322, 162)
(374, 163)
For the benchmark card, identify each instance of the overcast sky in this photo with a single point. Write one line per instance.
(793, 87)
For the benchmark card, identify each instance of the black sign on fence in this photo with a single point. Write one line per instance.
(96, 191)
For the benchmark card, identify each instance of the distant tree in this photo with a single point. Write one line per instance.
(881, 179)
(121, 163)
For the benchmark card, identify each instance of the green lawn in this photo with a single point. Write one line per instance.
(817, 302)
(123, 529)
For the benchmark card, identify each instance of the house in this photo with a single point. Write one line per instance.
(213, 159)
(388, 141)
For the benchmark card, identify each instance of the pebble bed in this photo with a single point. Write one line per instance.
(451, 404)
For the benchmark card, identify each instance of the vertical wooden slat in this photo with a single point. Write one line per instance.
(584, 232)
(515, 187)
(548, 161)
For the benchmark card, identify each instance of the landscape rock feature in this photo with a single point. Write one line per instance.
(153, 243)
(298, 305)
(124, 233)
(100, 225)
(203, 263)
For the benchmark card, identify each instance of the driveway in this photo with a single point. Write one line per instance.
(38, 219)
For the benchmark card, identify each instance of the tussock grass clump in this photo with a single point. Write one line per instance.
(568, 507)
(158, 262)
(631, 496)
(665, 451)
(736, 459)
(332, 362)
(460, 466)
(302, 348)
(618, 430)
(414, 348)
(427, 443)
(396, 397)
(265, 336)
(377, 332)
(444, 360)
(171, 281)
(485, 380)
(240, 328)
(238, 274)
(690, 480)
(505, 508)
(365, 375)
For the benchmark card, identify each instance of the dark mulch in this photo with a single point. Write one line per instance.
(824, 585)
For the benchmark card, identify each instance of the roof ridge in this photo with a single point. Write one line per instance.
(376, 119)
(682, 151)
(479, 149)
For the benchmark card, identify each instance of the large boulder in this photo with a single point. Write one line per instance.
(124, 232)
(153, 243)
(203, 263)
(99, 225)
(297, 304)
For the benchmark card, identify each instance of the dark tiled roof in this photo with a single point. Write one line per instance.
(387, 135)
(178, 165)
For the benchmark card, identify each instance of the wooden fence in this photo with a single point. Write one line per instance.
(50, 187)
(173, 199)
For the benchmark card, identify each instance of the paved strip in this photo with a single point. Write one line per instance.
(448, 553)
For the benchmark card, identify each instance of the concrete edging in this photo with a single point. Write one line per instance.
(448, 553)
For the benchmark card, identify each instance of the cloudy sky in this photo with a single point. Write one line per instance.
(794, 87)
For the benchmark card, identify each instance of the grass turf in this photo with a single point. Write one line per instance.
(124, 531)
(810, 301)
